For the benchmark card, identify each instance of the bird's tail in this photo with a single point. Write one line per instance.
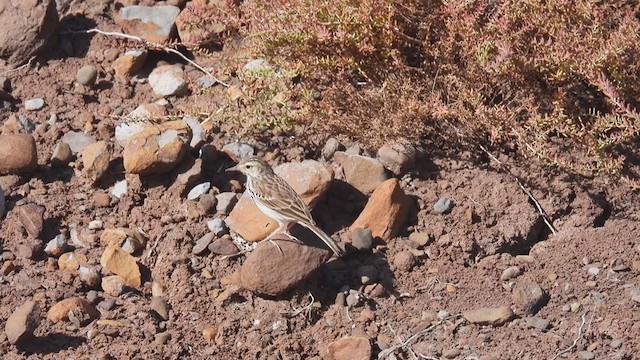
(332, 244)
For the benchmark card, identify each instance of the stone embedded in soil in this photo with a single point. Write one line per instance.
(537, 323)
(192, 33)
(152, 23)
(202, 244)
(22, 322)
(73, 307)
(267, 271)
(330, 147)
(238, 150)
(89, 275)
(489, 316)
(225, 202)
(443, 206)
(116, 260)
(129, 63)
(404, 261)
(386, 211)
(398, 157)
(77, 141)
(528, 295)
(350, 348)
(113, 285)
(27, 27)
(199, 136)
(510, 273)
(71, 261)
(217, 227)
(160, 306)
(209, 333)
(147, 111)
(34, 104)
(87, 75)
(114, 236)
(310, 179)
(7, 267)
(62, 155)
(95, 158)
(363, 173)
(168, 80)
(32, 218)
(198, 190)
(18, 153)
(223, 247)
(362, 239)
(421, 238)
(157, 149)
(56, 246)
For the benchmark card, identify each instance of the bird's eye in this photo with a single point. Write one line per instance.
(248, 166)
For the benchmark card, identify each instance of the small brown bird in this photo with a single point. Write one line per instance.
(278, 200)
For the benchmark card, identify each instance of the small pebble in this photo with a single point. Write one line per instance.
(162, 338)
(586, 355)
(593, 270)
(106, 304)
(95, 225)
(87, 75)
(34, 104)
(442, 314)
(510, 273)
(198, 191)
(443, 206)
(616, 343)
(362, 239)
(202, 244)
(575, 306)
(217, 226)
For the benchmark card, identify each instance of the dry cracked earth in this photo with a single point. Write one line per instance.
(120, 236)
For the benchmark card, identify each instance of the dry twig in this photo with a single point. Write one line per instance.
(575, 341)
(404, 344)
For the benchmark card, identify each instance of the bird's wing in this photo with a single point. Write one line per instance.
(284, 199)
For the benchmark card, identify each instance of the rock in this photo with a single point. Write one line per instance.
(257, 65)
(209, 333)
(398, 157)
(634, 293)
(113, 285)
(362, 239)
(162, 338)
(95, 158)
(160, 306)
(22, 322)
(225, 202)
(7, 267)
(77, 141)
(223, 247)
(364, 173)
(404, 261)
(118, 191)
(33, 104)
(528, 295)
(269, 272)
(310, 179)
(147, 111)
(119, 262)
(420, 238)
(443, 206)
(32, 218)
(193, 33)
(89, 276)
(27, 27)
(537, 323)
(586, 355)
(152, 23)
(451, 353)
(74, 307)
(18, 153)
(71, 261)
(217, 227)
(199, 136)
(168, 80)
(386, 211)
(238, 150)
(593, 270)
(202, 244)
(113, 236)
(82, 239)
(350, 348)
(103, 199)
(130, 63)
(107, 304)
(510, 273)
(62, 155)
(489, 316)
(16, 124)
(87, 75)
(156, 149)
(332, 145)
(95, 225)
(198, 190)
(56, 246)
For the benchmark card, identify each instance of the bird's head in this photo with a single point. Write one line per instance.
(252, 166)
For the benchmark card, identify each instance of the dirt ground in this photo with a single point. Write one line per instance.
(493, 225)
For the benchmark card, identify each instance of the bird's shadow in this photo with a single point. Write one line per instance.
(51, 343)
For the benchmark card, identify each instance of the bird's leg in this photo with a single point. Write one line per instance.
(278, 230)
(287, 231)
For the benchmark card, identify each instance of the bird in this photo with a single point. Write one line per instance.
(279, 201)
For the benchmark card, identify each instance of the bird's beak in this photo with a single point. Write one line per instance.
(233, 168)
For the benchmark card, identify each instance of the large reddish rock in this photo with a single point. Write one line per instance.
(18, 153)
(350, 348)
(386, 211)
(361, 172)
(152, 23)
(73, 308)
(95, 158)
(311, 179)
(22, 322)
(268, 271)
(116, 260)
(26, 26)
